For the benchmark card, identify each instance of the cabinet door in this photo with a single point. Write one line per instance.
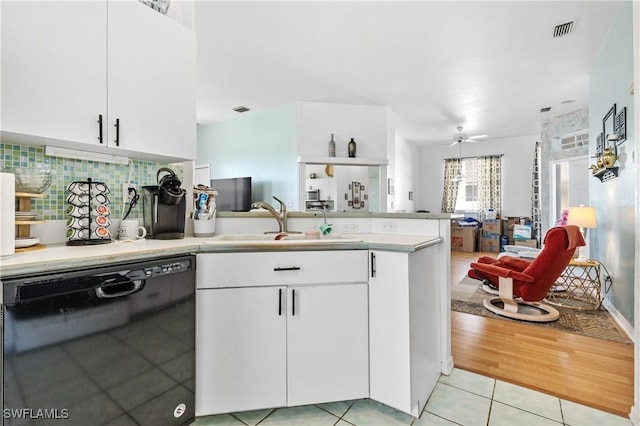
(240, 350)
(53, 73)
(389, 329)
(152, 82)
(327, 343)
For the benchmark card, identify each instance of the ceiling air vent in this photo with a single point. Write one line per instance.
(241, 109)
(563, 29)
(545, 109)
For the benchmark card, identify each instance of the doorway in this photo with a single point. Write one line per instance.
(568, 185)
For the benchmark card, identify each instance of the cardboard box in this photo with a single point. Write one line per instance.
(509, 222)
(463, 238)
(521, 232)
(491, 243)
(492, 227)
(527, 243)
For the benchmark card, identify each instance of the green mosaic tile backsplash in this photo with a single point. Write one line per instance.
(65, 171)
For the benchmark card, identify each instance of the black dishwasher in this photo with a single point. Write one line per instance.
(110, 345)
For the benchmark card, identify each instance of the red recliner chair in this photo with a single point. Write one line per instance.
(522, 284)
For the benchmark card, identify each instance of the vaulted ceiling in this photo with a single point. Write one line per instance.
(489, 66)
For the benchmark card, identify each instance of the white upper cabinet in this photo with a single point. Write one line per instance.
(152, 81)
(54, 82)
(74, 62)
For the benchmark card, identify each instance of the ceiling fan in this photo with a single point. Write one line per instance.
(463, 137)
(459, 139)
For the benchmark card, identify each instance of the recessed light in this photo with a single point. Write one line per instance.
(568, 101)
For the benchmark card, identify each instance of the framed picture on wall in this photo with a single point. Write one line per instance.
(620, 125)
(608, 125)
(599, 145)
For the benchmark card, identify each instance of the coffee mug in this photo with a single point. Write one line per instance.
(130, 229)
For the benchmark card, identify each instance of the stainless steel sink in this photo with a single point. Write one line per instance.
(289, 238)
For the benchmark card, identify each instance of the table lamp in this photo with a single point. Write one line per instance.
(584, 217)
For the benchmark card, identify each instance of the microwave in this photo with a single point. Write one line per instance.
(312, 195)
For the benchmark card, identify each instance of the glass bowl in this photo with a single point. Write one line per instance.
(31, 180)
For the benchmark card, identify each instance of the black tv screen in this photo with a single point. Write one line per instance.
(234, 194)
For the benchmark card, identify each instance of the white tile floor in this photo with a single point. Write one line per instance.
(461, 398)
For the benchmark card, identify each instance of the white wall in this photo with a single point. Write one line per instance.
(517, 165)
(406, 176)
(366, 124)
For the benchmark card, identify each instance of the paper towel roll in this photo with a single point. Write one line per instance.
(7, 214)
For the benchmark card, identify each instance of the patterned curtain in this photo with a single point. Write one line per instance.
(452, 167)
(489, 184)
(536, 219)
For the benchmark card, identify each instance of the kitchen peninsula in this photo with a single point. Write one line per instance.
(384, 286)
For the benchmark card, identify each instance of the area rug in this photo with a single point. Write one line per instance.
(467, 297)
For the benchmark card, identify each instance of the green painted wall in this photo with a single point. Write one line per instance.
(259, 144)
(613, 241)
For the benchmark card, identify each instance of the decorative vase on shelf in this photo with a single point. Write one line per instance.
(332, 147)
(609, 158)
(352, 148)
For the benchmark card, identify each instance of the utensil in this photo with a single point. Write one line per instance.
(132, 203)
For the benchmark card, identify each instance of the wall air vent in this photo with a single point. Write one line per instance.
(545, 109)
(575, 140)
(563, 29)
(241, 109)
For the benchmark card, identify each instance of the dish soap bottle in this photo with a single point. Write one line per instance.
(352, 148)
(332, 147)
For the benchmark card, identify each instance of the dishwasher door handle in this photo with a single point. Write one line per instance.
(137, 286)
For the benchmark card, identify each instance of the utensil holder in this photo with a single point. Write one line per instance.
(204, 228)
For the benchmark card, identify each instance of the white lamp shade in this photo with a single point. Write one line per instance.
(582, 216)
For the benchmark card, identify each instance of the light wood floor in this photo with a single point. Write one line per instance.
(594, 372)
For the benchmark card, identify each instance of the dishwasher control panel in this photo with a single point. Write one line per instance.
(160, 269)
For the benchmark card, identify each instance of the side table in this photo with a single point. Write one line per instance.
(578, 287)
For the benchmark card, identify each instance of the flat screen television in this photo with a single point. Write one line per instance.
(234, 194)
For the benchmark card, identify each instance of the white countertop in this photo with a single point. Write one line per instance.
(62, 257)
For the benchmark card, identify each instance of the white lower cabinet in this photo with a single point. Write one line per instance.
(327, 343)
(404, 327)
(241, 344)
(261, 346)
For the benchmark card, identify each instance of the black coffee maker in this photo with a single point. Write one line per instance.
(164, 207)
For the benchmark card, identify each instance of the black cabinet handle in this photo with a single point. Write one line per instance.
(373, 265)
(293, 303)
(100, 128)
(289, 268)
(279, 302)
(117, 125)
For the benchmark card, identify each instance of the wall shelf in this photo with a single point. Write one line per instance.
(344, 161)
(606, 174)
(23, 227)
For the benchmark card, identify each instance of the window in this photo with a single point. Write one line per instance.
(468, 189)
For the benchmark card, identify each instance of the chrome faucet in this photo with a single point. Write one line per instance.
(280, 217)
